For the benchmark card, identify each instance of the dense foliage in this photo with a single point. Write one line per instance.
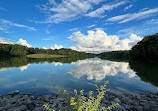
(147, 49)
(90, 103)
(13, 50)
(19, 50)
(118, 55)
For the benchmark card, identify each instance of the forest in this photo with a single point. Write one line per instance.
(16, 50)
(146, 50)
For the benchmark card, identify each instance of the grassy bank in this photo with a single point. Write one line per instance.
(43, 56)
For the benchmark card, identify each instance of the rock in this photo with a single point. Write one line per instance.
(120, 108)
(143, 103)
(22, 108)
(60, 99)
(117, 100)
(137, 108)
(1, 108)
(105, 101)
(136, 103)
(40, 109)
(52, 101)
(30, 105)
(127, 107)
(154, 108)
(60, 106)
(14, 92)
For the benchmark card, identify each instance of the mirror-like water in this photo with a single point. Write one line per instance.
(43, 77)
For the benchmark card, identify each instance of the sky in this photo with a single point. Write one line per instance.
(83, 25)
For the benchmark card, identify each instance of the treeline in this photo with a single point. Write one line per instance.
(147, 49)
(22, 61)
(20, 51)
(115, 55)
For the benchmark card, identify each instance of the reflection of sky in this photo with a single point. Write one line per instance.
(98, 69)
(48, 78)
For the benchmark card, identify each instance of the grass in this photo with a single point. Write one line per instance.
(43, 56)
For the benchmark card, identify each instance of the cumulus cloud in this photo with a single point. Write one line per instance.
(133, 16)
(100, 11)
(9, 41)
(99, 41)
(5, 25)
(23, 42)
(73, 48)
(54, 47)
(96, 69)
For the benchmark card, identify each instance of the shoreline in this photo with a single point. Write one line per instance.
(15, 101)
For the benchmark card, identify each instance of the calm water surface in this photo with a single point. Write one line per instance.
(49, 77)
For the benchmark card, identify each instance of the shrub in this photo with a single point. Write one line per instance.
(90, 103)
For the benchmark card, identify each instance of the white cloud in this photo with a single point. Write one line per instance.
(57, 46)
(5, 25)
(22, 68)
(100, 11)
(133, 16)
(96, 69)
(128, 7)
(68, 10)
(73, 48)
(144, 28)
(91, 26)
(152, 21)
(99, 41)
(58, 63)
(23, 42)
(6, 41)
(73, 29)
(9, 41)
(54, 47)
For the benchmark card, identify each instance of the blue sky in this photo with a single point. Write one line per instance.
(84, 25)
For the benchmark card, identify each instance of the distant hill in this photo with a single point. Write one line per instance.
(147, 49)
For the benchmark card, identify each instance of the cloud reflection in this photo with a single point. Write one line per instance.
(22, 68)
(97, 69)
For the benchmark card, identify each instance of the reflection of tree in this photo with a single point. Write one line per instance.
(98, 69)
(148, 72)
(22, 62)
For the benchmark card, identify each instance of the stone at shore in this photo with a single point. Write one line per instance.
(14, 92)
(127, 102)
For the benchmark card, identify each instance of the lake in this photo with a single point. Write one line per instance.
(48, 76)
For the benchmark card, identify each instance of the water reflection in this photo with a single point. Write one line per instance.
(97, 69)
(148, 72)
(47, 76)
